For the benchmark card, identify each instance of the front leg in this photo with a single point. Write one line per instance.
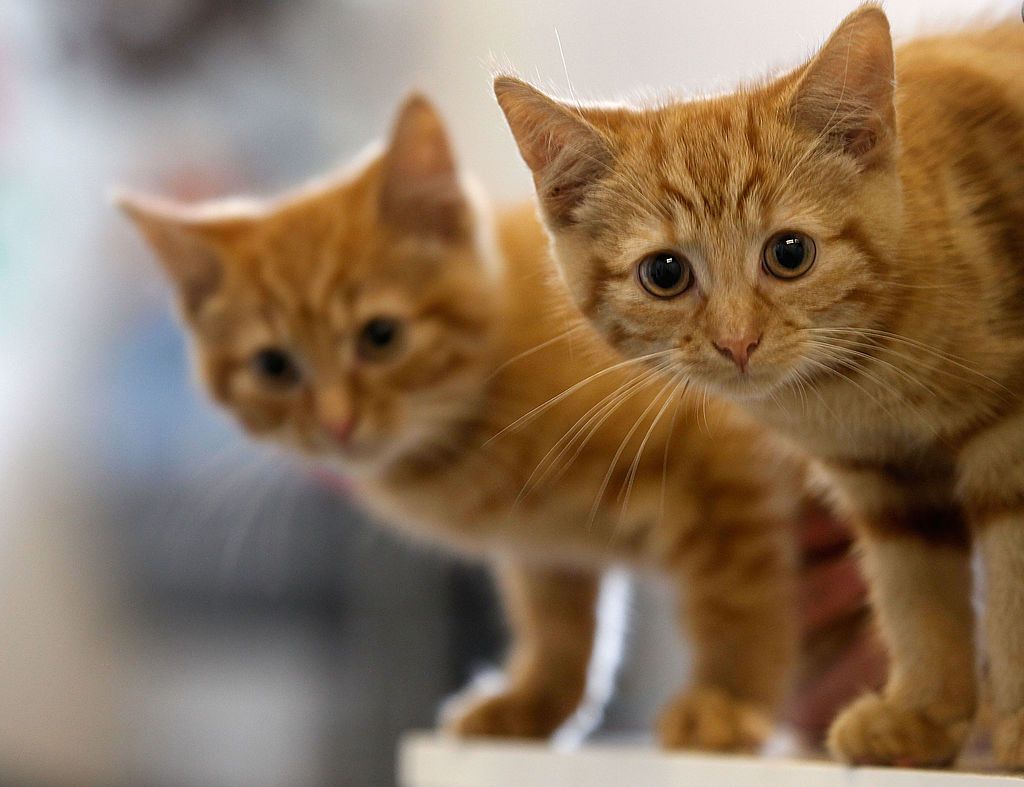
(921, 594)
(992, 484)
(552, 616)
(1001, 544)
(916, 557)
(737, 583)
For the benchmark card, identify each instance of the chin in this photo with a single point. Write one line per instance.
(748, 387)
(354, 463)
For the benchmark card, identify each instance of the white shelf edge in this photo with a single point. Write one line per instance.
(433, 760)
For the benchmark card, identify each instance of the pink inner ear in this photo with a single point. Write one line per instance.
(201, 276)
(566, 154)
(419, 153)
(846, 92)
(860, 142)
(420, 189)
(542, 128)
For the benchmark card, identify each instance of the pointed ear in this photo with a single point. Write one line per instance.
(565, 152)
(845, 94)
(420, 190)
(187, 244)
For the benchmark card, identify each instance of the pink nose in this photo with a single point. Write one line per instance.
(342, 430)
(738, 350)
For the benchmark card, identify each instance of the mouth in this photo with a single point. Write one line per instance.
(357, 450)
(740, 386)
(354, 460)
(752, 383)
(347, 446)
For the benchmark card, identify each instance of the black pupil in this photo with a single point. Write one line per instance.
(790, 252)
(665, 271)
(380, 332)
(273, 363)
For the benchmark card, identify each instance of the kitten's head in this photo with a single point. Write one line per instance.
(729, 232)
(349, 320)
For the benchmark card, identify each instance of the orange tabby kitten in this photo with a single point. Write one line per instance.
(842, 249)
(373, 322)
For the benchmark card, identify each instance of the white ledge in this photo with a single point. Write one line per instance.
(432, 760)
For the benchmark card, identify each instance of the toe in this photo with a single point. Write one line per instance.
(876, 731)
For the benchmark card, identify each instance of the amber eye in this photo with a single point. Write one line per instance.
(379, 338)
(665, 274)
(789, 255)
(275, 365)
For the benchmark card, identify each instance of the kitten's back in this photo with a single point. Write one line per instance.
(995, 53)
(960, 102)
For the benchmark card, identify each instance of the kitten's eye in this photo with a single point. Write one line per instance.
(665, 274)
(789, 255)
(379, 338)
(275, 365)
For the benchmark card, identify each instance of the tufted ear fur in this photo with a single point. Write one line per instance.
(845, 94)
(564, 151)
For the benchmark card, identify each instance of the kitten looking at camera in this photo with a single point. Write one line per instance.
(842, 250)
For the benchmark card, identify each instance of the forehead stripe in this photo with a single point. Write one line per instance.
(754, 179)
(673, 193)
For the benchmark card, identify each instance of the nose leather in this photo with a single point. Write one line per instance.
(738, 349)
(342, 430)
(335, 412)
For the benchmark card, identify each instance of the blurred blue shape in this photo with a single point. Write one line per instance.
(155, 422)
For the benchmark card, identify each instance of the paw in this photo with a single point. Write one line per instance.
(876, 731)
(513, 714)
(711, 719)
(1008, 741)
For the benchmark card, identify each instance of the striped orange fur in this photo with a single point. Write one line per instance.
(890, 341)
(496, 422)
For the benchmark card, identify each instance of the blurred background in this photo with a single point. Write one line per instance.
(178, 607)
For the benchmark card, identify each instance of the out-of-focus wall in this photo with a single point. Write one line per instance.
(630, 50)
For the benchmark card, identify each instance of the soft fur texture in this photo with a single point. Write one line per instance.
(897, 358)
(499, 424)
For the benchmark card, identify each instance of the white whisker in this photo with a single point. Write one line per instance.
(572, 389)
